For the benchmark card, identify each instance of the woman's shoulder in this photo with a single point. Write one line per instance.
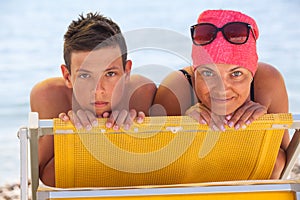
(178, 77)
(267, 72)
(270, 89)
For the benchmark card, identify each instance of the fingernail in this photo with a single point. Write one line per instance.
(237, 126)
(244, 126)
(222, 128)
(248, 122)
(95, 123)
(88, 127)
(215, 128)
(78, 126)
(116, 127)
(203, 122)
(230, 124)
(65, 118)
(139, 120)
(126, 127)
(108, 125)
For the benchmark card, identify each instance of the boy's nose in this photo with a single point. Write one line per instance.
(100, 86)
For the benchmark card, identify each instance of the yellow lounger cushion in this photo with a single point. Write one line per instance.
(165, 150)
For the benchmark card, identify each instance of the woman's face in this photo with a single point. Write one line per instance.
(222, 88)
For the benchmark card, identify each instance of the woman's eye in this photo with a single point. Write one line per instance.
(84, 76)
(237, 73)
(207, 73)
(110, 74)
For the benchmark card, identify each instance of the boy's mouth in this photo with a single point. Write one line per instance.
(100, 104)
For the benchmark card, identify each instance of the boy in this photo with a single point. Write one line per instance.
(96, 80)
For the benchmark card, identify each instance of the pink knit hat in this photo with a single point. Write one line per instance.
(221, 51)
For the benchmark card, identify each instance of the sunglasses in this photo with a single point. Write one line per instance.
(233, 32)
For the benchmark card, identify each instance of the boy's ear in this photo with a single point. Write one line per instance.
(128, 69)
(66, 75)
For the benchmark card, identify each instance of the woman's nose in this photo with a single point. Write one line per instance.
(220, 83)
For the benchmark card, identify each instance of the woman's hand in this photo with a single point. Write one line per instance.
(241, 118)
(203, 115)
(245, 115)
(116, 119)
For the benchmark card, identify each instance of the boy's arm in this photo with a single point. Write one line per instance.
(173, 96)
(48, 98)
(141, 93)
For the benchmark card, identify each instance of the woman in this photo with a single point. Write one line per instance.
(226, 85)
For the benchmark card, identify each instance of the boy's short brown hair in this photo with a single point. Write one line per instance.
(92, 32)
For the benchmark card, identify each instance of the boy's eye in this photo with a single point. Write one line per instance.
(84, 76)
(237, 74)
(110, 74)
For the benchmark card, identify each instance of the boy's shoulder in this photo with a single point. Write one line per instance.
(49, 87)
(141, 83)
(50, 97)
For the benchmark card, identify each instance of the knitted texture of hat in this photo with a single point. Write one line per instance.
(220, 51)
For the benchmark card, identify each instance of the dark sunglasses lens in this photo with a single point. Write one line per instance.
(236, 33)
(204, 34)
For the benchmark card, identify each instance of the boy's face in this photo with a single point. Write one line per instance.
(98, 78)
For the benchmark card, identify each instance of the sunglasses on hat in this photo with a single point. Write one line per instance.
(233, 32)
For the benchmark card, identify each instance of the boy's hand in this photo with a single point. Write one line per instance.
(115, 120)
(245, 114)
(82, 118)
(124, 118)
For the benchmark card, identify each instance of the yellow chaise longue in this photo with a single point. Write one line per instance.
(170, 157)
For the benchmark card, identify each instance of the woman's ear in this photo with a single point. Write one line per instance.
(128, 69)
(66, 75)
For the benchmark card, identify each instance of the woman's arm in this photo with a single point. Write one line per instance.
(270, 91)
(49, 98)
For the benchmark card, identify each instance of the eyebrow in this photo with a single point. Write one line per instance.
(83, 70)
(207, 68)
(238, 67)
(112, 68)
(88, 71)
(235, 68)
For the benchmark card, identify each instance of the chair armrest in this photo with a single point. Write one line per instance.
(292, 153)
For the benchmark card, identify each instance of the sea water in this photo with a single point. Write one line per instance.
(31, 39)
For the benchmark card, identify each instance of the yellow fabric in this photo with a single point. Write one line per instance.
(153, 153)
